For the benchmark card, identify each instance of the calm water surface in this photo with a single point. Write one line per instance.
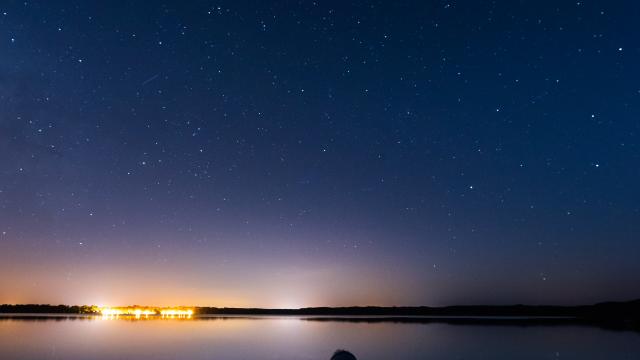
(299, 338)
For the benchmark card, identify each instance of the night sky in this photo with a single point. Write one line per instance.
(312, 153)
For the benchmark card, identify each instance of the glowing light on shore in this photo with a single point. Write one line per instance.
(176, 312)
(110, 312)
(139, 312)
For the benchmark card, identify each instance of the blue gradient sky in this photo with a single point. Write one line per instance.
(286, 154)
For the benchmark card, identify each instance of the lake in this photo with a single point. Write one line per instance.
(289, 338)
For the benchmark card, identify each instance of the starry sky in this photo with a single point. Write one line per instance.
(312, 153)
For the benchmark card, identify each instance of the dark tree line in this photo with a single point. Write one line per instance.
(611, 310)
(47, 309)
(629, 310)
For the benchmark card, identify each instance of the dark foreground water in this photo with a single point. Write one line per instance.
(299, 338)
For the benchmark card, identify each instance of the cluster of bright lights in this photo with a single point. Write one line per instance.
(109, 312)
(138, 312)
(175, 312)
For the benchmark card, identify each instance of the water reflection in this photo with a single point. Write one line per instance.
(287, 338)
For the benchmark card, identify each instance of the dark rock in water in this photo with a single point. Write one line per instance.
(343, 355)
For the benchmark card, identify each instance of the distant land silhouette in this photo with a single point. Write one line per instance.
(629, 310)
(610, 314)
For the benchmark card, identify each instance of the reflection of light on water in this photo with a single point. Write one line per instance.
(289, 325)
(139, 312)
